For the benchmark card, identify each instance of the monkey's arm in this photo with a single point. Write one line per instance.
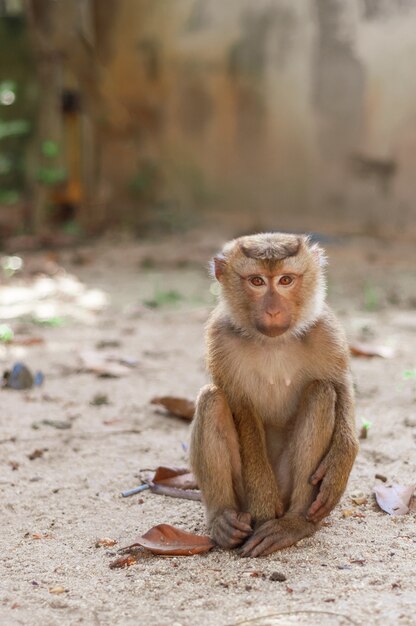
(334, 469)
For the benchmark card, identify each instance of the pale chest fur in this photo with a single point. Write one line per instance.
(272, 377)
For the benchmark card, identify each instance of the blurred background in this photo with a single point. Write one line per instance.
(155, 116)
(136, 136)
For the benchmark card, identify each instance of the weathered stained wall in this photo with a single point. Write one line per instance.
(279, 110)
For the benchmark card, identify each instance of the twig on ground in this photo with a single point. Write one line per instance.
(67, 436)
(132, 492)
(296, 612)
(173, 492)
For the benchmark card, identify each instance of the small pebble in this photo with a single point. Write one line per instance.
(278, 577)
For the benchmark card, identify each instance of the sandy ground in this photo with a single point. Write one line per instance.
(359, 569)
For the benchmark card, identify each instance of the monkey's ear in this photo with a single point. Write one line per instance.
(218, 266)
(319, 254)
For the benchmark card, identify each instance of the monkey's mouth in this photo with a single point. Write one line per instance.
(272, 331)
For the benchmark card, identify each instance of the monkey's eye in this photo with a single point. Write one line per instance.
(257, 281)
(285, 280)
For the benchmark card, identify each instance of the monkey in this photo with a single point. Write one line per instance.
(273, 438)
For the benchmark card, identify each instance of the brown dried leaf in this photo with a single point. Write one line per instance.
(36, 454)
(368, 351)
(166, 539)
(124, 561)
(180, 407)
(178, 477)
(27, 341)
(176, 482)
(395, 498)
(105, 365)
(184, 481)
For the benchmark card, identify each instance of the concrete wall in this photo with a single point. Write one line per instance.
(285, 112)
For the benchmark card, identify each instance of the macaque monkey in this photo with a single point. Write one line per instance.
(273, 439)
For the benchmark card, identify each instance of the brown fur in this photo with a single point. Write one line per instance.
(273, 439)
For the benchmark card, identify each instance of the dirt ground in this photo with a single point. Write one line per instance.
(358, 569)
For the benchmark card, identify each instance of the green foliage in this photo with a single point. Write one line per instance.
(72, 227)
(5, 165)
(365, 424)
(9, 196)
(50, 148)
(371, 298)
(6, 333)
(8, 85)
(51, 175)
(14, 128)
(144, 182)
(53, 322)
(164, 298)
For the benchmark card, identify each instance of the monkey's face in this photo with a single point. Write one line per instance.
(271, 300)
(272, 284)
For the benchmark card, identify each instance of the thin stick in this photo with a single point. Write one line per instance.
(307, 611)
(173, 492)
(132, 492)
(68, 435)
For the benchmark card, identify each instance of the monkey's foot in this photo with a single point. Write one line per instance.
(229, 529)
(277, 534)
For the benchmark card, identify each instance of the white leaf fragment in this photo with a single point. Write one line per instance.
(395, 498)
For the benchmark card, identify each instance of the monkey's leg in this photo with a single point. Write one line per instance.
(261, 494)
(309, 442)
(216, 463)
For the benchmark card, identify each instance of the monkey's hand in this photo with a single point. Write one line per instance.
(333, 477)
(277, 534)
(229, 529)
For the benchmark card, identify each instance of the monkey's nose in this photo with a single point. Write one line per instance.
(273, 314)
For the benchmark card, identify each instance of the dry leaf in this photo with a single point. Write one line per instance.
(183, 481)
(27, 341)
(347, 513)
(124, 561)
(178, 477)
(181, 407)
(105, 365)
(395, 498)
(114, 420)
(36, 454)
(358, 497)
(176, 482)
(105, 543)
(166, 539)
(368, 351)
(57, 590)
